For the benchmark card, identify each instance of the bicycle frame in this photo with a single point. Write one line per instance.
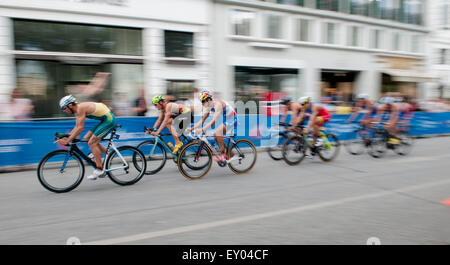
(158, 140)
(74, 149)
(204, 139)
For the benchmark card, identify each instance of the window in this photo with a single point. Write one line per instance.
(260, 83)
(396, 41)
(375, 39)
(32, 35)
(332, 5)
(287, 2)
(359, 7)
(330, 35)
(416, 43)
(444, 56)
(303, 30)
(411, 12)
(274, 26)
(178, 44)
(354, 36)
(242, 22)
(445, 13)
(180, 89)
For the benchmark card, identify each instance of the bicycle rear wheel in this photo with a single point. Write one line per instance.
(329, 151)
(155, 155)
(405, 145)
(294, 150)
(195, 160)
(127, 166)
(356, 146)
(377, 147)
(59, 171)
(242, 156)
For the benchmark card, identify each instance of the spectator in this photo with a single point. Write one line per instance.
(140, 104)
(20, 108)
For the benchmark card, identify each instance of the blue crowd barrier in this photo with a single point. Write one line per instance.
(24, 143)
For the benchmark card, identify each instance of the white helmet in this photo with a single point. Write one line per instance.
(304, 100)
(65, 101)
(362, 96)
(387, 100)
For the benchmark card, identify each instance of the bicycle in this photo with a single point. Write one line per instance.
(156, 150)
(295, 148)
(200, 152)
(383, 140)
(63, 170)
(363, 139)
(277, 139)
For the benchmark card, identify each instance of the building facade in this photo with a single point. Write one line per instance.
(50, 48)
(439, 47)
(331, 49)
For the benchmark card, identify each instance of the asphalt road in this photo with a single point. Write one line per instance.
(397, 199)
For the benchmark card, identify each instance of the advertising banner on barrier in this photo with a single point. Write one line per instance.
(23, 143)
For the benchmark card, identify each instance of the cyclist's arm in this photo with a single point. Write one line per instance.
(159, 120)
(284, 115)
(218, 107)
(297, 116)
(314, 113)
(394, 115)
(166, 119)
(200, 123)
(355, 114)
(79, 126)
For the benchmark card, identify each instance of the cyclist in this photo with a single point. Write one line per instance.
(365, 106)
(405, 113)
(317, 115)
(90, 110)
(169, 112)
(295, 107)
(388, 112)
(223, 114)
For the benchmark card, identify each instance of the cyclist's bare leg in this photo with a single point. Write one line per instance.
(88, 135)
(94, 144)
(218, 136)
(173, 131)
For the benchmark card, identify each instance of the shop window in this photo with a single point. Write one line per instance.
(32, 35)
(179, 44)
(337, 87)
(180, 89)
(260, 83)
(241, 22)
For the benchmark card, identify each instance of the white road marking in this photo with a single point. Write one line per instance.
(191, 228)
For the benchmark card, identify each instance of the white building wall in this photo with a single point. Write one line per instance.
(153, 16)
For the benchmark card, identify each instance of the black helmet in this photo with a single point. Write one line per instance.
(285, 101)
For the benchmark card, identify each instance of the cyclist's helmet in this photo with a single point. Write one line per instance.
(304, 100)
(156, 99)
(362, 96)
(387, 100)
(65, 101)
(204, 95)
(285, 101)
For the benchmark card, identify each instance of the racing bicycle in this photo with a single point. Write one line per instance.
(63, 170)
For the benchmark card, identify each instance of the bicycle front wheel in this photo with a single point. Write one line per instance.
(155, 154)
(330, 148)
(276, 145)
(195, 160)
(294, 150)
(242, 156)
(406, 143)
(127, 166)
(59, 171)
